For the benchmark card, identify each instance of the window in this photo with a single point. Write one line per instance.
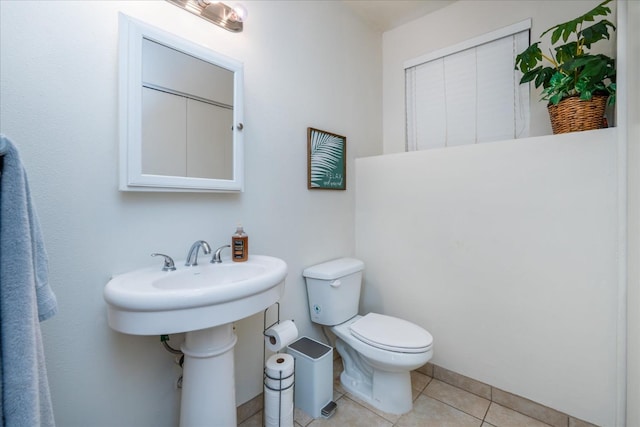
(468, 93)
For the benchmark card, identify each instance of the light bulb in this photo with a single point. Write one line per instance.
(241, 12)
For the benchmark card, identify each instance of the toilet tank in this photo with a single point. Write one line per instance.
(333, 289)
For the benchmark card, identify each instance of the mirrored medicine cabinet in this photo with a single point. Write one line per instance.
(180, 113)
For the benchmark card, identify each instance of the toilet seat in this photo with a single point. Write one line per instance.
(390, 333)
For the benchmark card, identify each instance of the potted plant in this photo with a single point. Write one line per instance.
(575, 82)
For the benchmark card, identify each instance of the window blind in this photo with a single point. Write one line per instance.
(469, 94)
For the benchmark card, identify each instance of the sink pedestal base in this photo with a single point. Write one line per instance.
(208, 383)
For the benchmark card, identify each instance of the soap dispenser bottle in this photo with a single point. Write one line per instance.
(239, 245)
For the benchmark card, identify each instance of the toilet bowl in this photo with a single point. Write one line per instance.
(378, 351)
(377, 372)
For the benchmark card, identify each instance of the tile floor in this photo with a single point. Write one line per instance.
(436, 404)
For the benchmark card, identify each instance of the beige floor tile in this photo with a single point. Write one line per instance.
(246, 410)
(500, 416)
(301, 417)
(458, 398)
(527, 407)
(428, 412)
(337, 367)
(254, 421)
(414, 394)
(419, 380)
(351, 414)
(485, 424)
(426, 369)
(575, 422)
(460, 381)
(387, 416)
(338, 390)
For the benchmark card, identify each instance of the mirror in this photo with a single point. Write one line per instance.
(180, 113)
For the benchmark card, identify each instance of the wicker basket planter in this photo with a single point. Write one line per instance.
(574, 115)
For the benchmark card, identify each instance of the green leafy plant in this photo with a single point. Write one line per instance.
(572, 70)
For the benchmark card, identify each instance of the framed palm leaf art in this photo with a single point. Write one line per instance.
(326, 160)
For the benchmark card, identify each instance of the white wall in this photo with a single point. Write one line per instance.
(306, 64)
(506, 253)
(633, 214)
(464, 20)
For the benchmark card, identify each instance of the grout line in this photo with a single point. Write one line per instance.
(491, 393)
(487, 411)
(423, 392)
(490, 402)
(457, 409)
(345, 396)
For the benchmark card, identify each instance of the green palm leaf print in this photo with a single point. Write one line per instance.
(326, 157)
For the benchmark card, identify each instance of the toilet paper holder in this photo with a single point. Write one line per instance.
(266, 328)
(266, 377)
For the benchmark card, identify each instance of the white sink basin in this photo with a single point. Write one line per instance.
(154, 302)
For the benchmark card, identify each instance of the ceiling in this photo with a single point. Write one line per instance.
(388, 14)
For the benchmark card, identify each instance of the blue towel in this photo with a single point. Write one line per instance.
(25, 300)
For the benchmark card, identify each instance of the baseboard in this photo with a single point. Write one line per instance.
(504, 398)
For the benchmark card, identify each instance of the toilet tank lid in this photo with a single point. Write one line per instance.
(334, 269)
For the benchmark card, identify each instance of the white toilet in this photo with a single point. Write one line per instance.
(378, 351)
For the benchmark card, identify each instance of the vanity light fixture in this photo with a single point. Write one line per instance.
(216, 12)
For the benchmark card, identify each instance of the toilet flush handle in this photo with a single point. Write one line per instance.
(335, 283)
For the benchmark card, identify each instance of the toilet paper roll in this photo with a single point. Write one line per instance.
(281, 335)
(279, 371)
(278, 394)
(282, 399)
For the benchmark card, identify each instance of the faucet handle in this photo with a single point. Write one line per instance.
(216, 256)
(168, 262)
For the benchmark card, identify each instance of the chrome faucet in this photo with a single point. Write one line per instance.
(168, 262)
(216, 256)
(192, 258)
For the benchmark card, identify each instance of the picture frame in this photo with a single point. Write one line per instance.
(326, 160)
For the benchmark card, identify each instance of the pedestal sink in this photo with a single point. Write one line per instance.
(202, 301)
